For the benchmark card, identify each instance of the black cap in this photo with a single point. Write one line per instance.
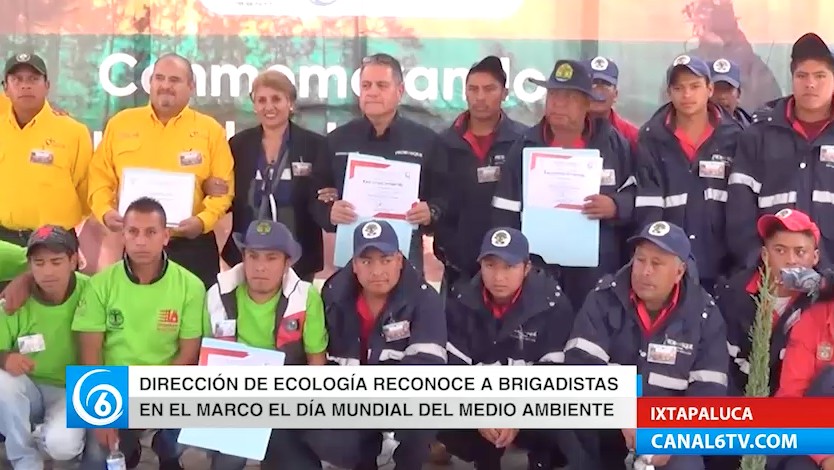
(811, 46)
(570, 75)
(32, 60)
(491, 65)
(53, 236)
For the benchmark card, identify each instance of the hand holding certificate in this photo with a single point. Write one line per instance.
(175, 191)
(557, 180)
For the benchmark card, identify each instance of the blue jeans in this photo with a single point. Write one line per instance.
(23, 404)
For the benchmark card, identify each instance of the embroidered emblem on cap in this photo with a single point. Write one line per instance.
(721, 66)
(682, 60)
(371, 230)
(659, 229)
(23, 57)
(599, 64)
(563, 73)
(501, 238)
(263, 228)
(784, 213)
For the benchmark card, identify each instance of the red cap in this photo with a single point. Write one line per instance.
(791, 220)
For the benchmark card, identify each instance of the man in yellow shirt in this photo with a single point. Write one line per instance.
(44, 156)
(168, 135)
(5, 104)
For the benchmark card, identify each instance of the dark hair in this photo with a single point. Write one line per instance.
(490, 65)
(386, 60)
(676, 71)
(54, 248)
(795, 62)
(774, 229)
(146, 205)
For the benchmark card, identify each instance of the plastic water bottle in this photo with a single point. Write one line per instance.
(116, 461)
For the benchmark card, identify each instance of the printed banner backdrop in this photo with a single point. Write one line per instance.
(98, 51)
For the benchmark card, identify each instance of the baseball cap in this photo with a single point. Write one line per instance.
(375, 234)
(604, 69)
(693, 64)
(491, 65)
(269, 235)
(668, 236)
(32, 60)
(727, 71)
(791, 220)
(508, 244)
(54, 237)
(569, 75)
(811, 46)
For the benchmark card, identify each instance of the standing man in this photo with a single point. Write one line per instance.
(785, 159)
(690, 143)
(44, 156)
(477, 144)
(143, 310)
(5, 104)
(606, 74)
(382, 132)
(168, 135)
(567, 124)
(727, 79)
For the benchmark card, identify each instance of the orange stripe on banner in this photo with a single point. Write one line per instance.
(761, 21)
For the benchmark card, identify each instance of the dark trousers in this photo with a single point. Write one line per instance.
(795, 462)
(722, 462)
(608, 452)
(358, 449)
(544, 450)
(199, 255)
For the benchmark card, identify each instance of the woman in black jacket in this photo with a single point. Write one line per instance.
(273, 167)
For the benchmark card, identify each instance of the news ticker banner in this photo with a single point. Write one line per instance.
(357, 397)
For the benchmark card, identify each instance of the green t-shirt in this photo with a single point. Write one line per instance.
(142, 323)
(54, 323)
(256, 322)
(13, 261)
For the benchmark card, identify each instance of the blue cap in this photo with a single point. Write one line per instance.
(375, 234)
(668, 236)
(693, 64)
(727, 71)
(604, 69)
(506, 243)
(269, 235)
(570, 75)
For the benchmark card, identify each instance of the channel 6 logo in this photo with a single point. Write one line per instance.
(97, 397)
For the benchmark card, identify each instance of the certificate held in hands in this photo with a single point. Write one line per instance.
(173, 190)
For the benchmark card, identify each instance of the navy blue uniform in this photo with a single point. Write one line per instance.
(469, 216)
(620, 185)
(742, 117)
(777, 167)
(412, 300)
(690, 193)
(608, 331)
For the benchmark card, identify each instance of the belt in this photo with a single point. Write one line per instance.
(18, 237)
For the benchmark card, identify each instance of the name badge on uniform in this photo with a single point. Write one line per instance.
(286, 175)
(396, 331)
(42, 157)
(225, 329)
(827, 153)
(302, 168)
(489, 174)
(824, 352)
(609, 177)
(712, 169)
(191, 158)
(662, 354)
(30, 344)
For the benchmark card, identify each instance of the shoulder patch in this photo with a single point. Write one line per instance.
(606, 282)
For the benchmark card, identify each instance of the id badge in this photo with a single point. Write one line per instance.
(30, 344)
(191, 158)
(489, 174)
(711, 169)
(827, 153)
(225, 329)
(396, 331)
(302, 168)
(42, 157)
(662, 354)
(609, 177)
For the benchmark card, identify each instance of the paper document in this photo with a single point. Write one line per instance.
(174, 190)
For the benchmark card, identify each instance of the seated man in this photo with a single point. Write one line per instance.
(263, 303)
(36, 346)
(653, 313)
(143, 310)
(508, 314)
(379, 311)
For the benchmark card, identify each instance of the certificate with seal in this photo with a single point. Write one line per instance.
(174, 190)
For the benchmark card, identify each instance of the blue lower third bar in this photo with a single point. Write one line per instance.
(735, 441)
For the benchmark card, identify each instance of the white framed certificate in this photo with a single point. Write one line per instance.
(173, 190)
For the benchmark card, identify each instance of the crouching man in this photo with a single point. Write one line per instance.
(36, 346)
(379, 311)
(508, 314)
(653, 313)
